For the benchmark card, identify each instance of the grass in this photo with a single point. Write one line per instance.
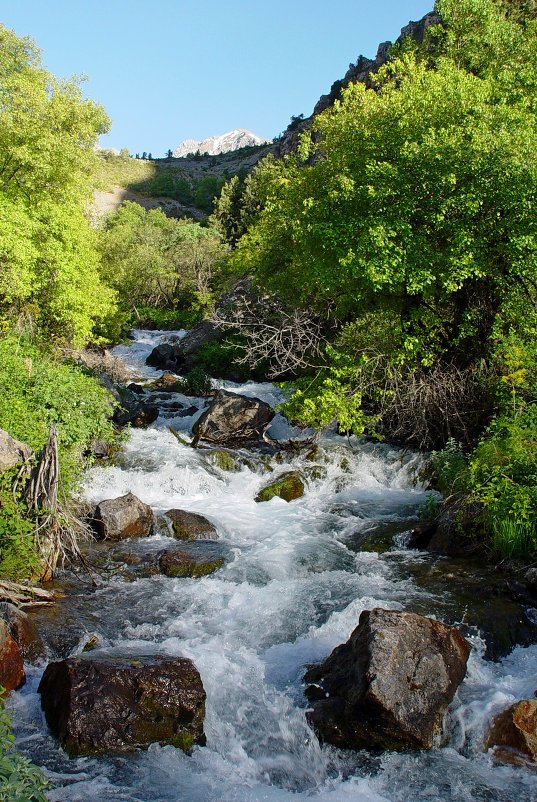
(512, 538)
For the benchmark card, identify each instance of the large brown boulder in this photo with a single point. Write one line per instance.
(24, 632)
(12, 674)
(12, 451)
(123, 517)
(389, 686)
(191, 526)
(97, 703)
(513, 734)
(232, 420)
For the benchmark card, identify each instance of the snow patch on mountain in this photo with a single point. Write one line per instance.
(223, 143)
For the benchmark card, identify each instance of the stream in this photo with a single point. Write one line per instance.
(296, 577)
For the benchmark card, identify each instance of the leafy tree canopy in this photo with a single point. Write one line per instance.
(421, 195)
(49, 264)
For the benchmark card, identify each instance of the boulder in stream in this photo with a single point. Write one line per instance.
(513, 734)
(389, 686)
(232, 420)
(288, 486)
(12, 674)
(174, 563)
(135, 413)
(123, 517)
(191, 526)
(97, 703)
(24, 632)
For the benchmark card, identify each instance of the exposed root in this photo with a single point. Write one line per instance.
(58, 531)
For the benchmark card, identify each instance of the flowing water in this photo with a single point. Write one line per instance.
(293, 586)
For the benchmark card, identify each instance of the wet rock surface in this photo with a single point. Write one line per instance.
(191, 526)
(288, 486)
(100, 702)
(12, 674)
(176, 563)
(513, 734)
(123, 517)
(232, 420)
(135, 413)
(389, 686)
(24, 632)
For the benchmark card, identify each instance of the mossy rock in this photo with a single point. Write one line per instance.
(191, 526)
(288, 486)
(224, 460)
(317, 472)
(178, 564)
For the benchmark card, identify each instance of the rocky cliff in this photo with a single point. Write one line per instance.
(360, 71)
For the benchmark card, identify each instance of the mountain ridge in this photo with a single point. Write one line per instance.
(221, 143)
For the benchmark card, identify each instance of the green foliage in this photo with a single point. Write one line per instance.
(196, 382)
(18, 553)
(217, 358)
(111, 170)
(450, 467)
(158, 262)
(20, 780)
(513, 538)
(37, 390)
(47, 249)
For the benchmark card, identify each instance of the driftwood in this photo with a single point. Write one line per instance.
(25, 595)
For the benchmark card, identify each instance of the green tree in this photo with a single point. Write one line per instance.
(156, 261)
(49, 264)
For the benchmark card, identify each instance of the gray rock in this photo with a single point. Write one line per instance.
(123, 517)
(389, 686)
(232, 420)
(12, 451)
(99, 703)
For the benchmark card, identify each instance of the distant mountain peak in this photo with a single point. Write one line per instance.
(222, 143)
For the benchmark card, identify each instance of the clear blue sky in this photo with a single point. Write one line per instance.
(177, 69)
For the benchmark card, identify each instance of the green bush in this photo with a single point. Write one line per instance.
(18, 553)
(38, 390)
(20, 780)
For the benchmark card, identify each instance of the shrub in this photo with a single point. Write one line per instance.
(20, 780)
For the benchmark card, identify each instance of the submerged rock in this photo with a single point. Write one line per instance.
(12, 674)
(225, 460)
(191, 526)
(288, 486)
(24, 632)
(97, 703)
(119, 518)
(513, 734)
(176, 563)
(389, 686)
(12, 451)
(232, 420)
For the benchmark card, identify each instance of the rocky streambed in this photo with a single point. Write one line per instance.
(242, 565)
